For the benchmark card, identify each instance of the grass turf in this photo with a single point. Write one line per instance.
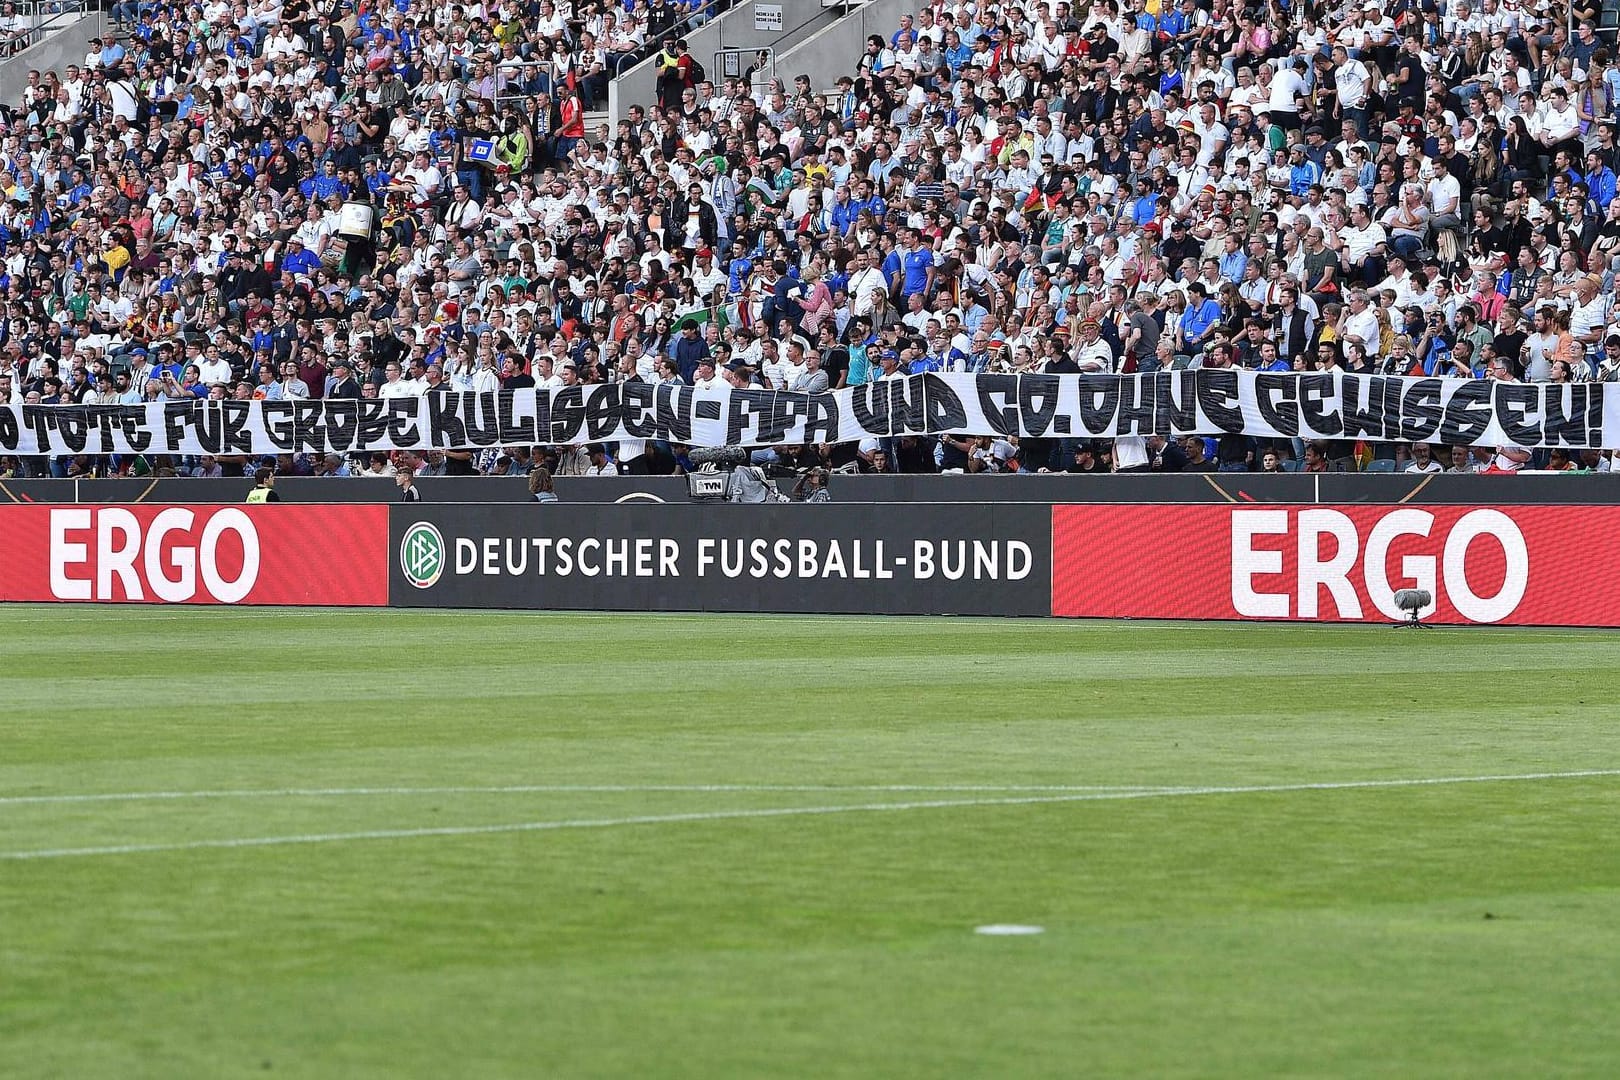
(1447, 930)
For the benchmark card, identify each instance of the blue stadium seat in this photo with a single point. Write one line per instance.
(1380, 465)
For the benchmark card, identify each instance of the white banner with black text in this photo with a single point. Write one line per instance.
(1207, 401)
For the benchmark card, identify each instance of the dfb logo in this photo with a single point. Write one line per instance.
(168, 556)
(1439, 565)
(421, 555)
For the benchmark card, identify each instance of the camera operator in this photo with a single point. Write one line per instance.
(812, 487)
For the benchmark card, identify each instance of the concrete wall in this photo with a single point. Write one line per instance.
(733, 30)
(834, 50)
(63, 45)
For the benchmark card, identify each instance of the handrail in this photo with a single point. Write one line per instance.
(728, 64)
(36, 18)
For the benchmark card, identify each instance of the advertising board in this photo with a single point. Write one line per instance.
(269, 554)
(990, 560)
(1507, 565)
(1488, 565)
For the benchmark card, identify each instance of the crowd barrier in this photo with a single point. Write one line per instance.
(1491, 564)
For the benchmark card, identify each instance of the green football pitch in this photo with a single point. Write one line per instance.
(451, 844)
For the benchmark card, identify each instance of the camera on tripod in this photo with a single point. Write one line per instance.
(727, 474)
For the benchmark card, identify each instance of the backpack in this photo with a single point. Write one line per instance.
(697, 71)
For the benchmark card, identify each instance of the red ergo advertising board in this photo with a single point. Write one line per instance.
(267, 554)
(1504, 565)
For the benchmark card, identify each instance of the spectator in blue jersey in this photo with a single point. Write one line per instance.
(1198, 319)
(917, 266)
(298, 260)
(1600, 181)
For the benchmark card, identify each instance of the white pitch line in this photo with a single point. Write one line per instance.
(542, 789)
(790, 811)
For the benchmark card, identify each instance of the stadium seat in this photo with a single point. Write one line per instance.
(1380, 465)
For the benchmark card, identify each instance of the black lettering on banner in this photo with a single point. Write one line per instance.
(373, 423)
(1468, 413)
(788, 410)
(235, 437)
(1176, 397)
(870, 403)
(98, 429)
(1312, 405)
(37, 418)
(636, 400)
(1217, 397)
(602, 411)
(200, 417)
(515, 430)
(567, 415)
(783, 414)
(1099, 403)
(132, 420)
(1362, 419)
(103, 420)
(277, 419)
(342, 423)
(542, 412)
(1394, 391)
(1420, 409)
(309, 427)
(821, 419)
(746, 408)
(998, 395)
(907, 413)
(73, 427)
(1137, 401)
(482, 423)
(1560, 426)
(1274, 396)
(1038, 401)
(1518, 410)
(945, 410)
(402, 421)
(1315, 390)
(445, 428)
(675, 412)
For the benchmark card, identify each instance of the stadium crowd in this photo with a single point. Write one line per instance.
(1418, 187)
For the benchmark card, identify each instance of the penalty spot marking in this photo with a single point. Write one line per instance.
(1009, 930)
(782, 812)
